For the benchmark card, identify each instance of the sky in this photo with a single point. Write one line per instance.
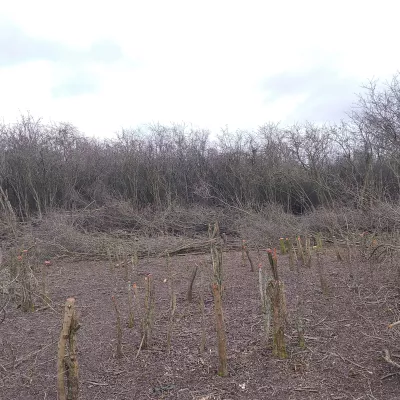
(103, 66)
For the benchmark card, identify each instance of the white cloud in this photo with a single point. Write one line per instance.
(205, 62)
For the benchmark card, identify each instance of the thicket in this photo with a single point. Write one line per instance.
(355, 164)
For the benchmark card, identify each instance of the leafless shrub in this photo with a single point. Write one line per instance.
(265, 226)
(383, 217)
(167, 169)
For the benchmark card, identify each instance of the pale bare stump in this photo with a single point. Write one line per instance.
(265, 301)
(135, 263)
(191, 282)
(148, 319)
(321, 274)
(292, 254)
(126, 267)
(337, 251)
(307, 252)
(110, 259)
(171, 321)
(349, 260)
(172, 306)
(282, 245)
(45, 293)
(217, 288)
(13, 276)
(202, 313)
(246, 254)
(129, 276)
(67, 365)
(224, 239)
(26, 287)
(243, 253)
(118, 328)
(131, 299)
(300, 321)
(131, 316)
(216, 256)
(246, 249)
(299, 286)
(221, 335)
(301, 251)
(398, 278)
(277, 296)
(135, 297)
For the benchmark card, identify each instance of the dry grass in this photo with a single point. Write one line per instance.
(94, 233)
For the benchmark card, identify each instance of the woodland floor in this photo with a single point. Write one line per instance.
(346, 333)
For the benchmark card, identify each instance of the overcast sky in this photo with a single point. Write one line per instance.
(107, 65)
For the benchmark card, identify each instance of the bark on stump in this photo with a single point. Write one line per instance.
(67, 364)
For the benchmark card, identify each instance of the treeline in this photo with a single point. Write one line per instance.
(355, 163)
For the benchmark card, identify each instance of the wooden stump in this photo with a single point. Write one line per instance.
(221, 335)
(67, 365)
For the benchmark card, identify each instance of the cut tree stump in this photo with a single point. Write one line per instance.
(67, 365)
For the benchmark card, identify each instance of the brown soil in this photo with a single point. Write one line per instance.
(346, 333)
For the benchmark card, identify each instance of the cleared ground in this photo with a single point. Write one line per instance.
(346, 333)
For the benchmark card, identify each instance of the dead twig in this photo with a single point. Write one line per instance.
(394, 324)
(352, 362)
(19, 361)
(388, 359)
(306, 389)
(389, 375)
(3, 310)
(97, 383)
(140, 348)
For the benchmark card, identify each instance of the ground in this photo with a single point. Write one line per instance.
(346, 333)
